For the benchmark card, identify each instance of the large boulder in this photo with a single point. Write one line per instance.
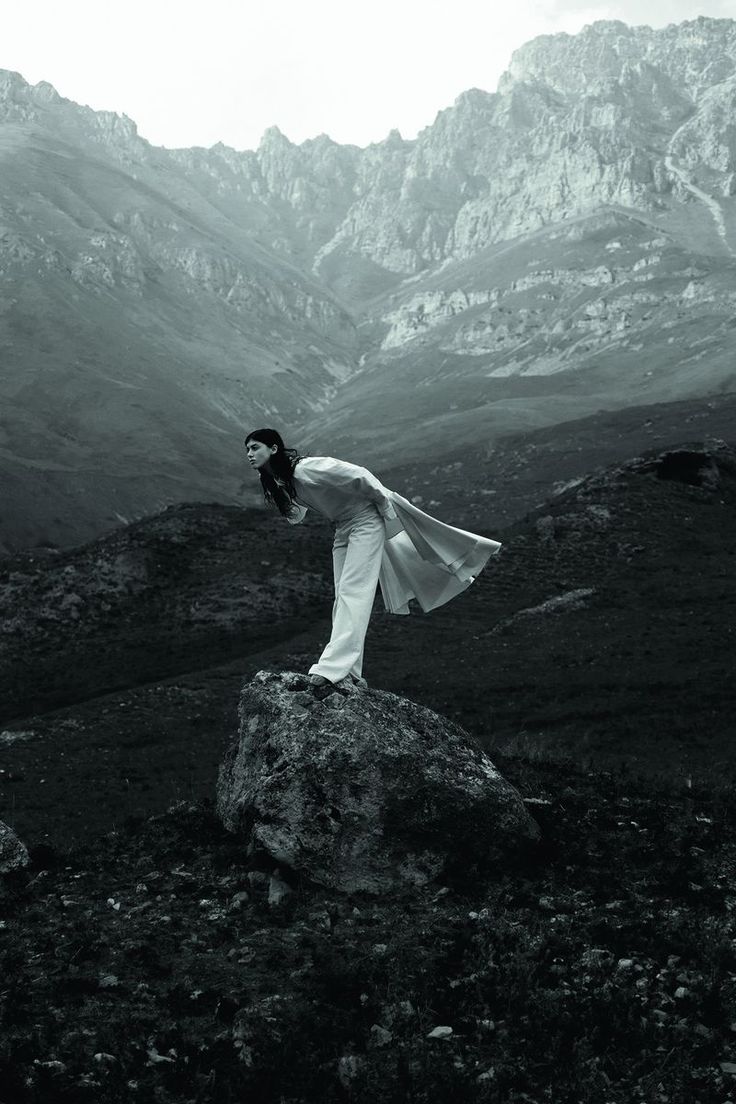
(362, 790)
(13, 853)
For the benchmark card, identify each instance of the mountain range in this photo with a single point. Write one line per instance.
(557, 250)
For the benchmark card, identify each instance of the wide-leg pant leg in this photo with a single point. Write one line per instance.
(356, 560)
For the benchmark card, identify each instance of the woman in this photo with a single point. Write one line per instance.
(379, 537)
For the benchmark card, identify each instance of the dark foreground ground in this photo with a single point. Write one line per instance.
(149, 966)
(594, 660)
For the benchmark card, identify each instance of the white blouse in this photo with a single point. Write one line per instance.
(337, 490)
(422, 558)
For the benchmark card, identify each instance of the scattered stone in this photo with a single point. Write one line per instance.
(348, 1068)
(257, 877)
(267, 1022)
(380, 1036)
(320, 918)
(442, 1032)
(278, 890)
(155, 1059)
(560, 603)
(13, 854)
(595, 956)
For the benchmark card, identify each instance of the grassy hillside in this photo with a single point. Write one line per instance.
(606, 312)
(182, 590)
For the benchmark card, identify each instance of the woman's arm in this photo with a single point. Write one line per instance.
(350, 476)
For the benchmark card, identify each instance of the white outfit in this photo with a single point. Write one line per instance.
(380, 537)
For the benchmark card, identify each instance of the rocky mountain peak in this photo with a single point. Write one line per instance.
(75, 124)
(46, 92)
(474, 99)
(19, 99)
(274, 138)
(694, 54)
(393, 140)
(472, 113)
(321, 142)
(14, 88)
(567, 62)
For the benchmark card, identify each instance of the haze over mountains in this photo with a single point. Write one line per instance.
(563, 246)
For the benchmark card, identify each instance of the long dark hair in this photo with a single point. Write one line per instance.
(282, 464)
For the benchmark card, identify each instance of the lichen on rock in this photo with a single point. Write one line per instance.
(13, 853)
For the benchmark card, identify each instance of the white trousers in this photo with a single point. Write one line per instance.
(356, 560)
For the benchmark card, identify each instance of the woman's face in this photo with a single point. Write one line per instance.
(258, 453)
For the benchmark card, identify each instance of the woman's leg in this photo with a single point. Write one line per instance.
(357, 563)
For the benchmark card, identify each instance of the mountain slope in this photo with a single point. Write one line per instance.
(600, 312)
(141, 333)
(563, 245)
(154, 598)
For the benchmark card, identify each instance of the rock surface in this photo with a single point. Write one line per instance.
(362, 790)
(13, 853)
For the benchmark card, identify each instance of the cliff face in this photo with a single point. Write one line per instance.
(155, 303)
(578, 121)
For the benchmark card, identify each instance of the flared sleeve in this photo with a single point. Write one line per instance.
(428, 560)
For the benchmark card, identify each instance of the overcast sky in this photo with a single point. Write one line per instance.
(195, 73)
